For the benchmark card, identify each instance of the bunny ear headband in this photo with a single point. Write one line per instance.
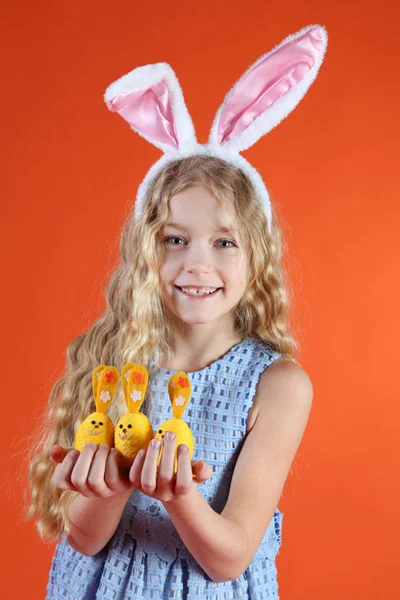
(150, 99)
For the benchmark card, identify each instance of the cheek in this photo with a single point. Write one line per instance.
(165, 272)
(236, 267)
(167, 269)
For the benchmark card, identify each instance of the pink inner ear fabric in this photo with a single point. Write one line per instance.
(148, 111)
(267, 81)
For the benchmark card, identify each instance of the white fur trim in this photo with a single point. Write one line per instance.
(218, 151)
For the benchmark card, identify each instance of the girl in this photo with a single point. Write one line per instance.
(200, 288)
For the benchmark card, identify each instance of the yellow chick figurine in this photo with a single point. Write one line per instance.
(179, 390)
(98, 427)
(133, 431)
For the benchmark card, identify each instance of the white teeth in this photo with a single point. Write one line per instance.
(198, 291)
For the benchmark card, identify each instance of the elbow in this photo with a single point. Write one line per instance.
(225, 577)
(227, 573)
(233, 564)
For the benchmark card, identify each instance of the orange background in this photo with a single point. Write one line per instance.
(71, 169)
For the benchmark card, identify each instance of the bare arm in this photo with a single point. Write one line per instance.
(225, 544)
(93, 522)
(104, 490)
(217, 543)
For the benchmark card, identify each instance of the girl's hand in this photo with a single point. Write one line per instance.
(94, 472)
(163, 484)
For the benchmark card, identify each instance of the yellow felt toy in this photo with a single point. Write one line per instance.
(133, 431)
(179, 390)
(98, 427)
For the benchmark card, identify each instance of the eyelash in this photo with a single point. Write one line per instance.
(176, 237)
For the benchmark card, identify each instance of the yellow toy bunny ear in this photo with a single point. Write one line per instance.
(179, 390)
(133, 431)
(134, 385)
(98, 427)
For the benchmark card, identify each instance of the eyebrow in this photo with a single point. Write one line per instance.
(221, 229)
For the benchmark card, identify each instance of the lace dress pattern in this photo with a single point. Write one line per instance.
(146, 558)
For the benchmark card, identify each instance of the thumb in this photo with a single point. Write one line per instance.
(58, 453)
(202, 471)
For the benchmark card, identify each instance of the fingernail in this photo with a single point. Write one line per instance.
(155, 443)
(170, 435)
(183, 448)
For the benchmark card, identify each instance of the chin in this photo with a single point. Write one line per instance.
(198, 319)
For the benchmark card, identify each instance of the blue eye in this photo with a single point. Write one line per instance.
(173, 239)
(231, 244)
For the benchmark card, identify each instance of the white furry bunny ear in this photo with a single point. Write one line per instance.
(269, 90)
(150, 99)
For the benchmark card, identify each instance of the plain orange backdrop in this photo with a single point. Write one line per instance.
(70, 171)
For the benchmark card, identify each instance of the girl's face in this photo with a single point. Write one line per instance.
(203, 275)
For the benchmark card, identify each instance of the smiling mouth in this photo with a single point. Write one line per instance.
(202, 292)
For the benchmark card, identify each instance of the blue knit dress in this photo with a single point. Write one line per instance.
(145, 558)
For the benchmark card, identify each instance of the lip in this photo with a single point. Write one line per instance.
(196, 287)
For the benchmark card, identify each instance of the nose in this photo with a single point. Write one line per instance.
(124, 430)
(198, 261)
(96, 426)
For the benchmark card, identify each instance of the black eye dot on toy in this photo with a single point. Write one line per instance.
(100, 422)
(160, 431)
(129, 426)
(121, 426)
(93, 422)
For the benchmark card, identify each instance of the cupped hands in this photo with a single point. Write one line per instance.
(96, 472)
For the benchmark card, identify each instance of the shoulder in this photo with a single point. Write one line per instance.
(288, 375)
(283, 383)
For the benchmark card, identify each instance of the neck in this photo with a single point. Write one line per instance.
(197, 346)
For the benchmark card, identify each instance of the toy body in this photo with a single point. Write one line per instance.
(133, 430)
(179, 390)
(98, 427)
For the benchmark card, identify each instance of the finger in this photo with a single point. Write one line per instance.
(81, 470)
(148, 480)
(184, 476)
(112, 475)
(135, 472)
(166, 470)
(95, 479)
(202, 471)
(58, 453)
(62, 475)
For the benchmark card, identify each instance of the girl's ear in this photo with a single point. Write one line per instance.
(179, 390)
(269, 90)
(136, 379)
(107, 386)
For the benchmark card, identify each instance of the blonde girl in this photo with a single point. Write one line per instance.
(200, 288)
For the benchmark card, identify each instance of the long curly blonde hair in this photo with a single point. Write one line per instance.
(134, 325)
